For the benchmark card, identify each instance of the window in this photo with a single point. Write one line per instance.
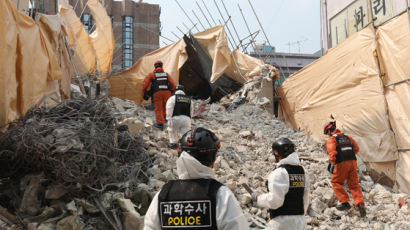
(88, 22)
(127, 41)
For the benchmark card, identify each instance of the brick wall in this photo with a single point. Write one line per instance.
(146, 24)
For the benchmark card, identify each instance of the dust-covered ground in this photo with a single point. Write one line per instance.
(246, 134)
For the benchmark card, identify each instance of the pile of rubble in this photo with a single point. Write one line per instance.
(70, 167)
(257, 90)
(246, 134)
(134, 160)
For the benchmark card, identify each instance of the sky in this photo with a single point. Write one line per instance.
(284, 21)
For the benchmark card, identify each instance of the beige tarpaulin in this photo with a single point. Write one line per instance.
(345, 83)
(50, 26)
(128, 84)
(22, 4)
(28, 62)
(248, 67)
(77, 38)
(215, 44)
(36, 63)
(8, 55)
(394, 46)
(102, 39)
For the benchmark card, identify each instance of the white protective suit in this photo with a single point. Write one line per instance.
(177, 125)
(229, 215)
(278, 184)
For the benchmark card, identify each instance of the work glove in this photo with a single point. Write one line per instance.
(146, 96)
(254, 196)
(331, 167)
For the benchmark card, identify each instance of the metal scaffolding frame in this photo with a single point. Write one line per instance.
(266, 37)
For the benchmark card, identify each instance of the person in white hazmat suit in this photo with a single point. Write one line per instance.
(195, 200)
(288, 189)
(178, 114)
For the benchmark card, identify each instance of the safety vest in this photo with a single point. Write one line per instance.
(344, 148)
(188, 204)
(182, 105)
(293, 204)
(160, 81)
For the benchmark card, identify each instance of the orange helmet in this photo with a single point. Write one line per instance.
(329, 127)
(158, 64)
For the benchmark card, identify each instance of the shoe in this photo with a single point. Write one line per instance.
(343, 206)
(160, 127)
(362, 210)
(173, 145)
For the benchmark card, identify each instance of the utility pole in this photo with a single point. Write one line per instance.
(299, 42)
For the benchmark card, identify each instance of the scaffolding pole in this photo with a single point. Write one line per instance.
(203, 14)
(251, 40)
(182, 32)
(229, 40)
(408, 10)
(233, 26)
(209, 12)
(226, 25)
(186, 15)
(250, 33)
(196, 16)
(186, 27)
(260, 25)
(82, 11)
(75, 6)
(77, 73)
(175, 35)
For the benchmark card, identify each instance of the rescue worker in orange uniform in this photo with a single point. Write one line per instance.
(342, 151)
(162, 84)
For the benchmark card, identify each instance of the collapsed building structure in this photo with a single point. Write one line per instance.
(203, 62)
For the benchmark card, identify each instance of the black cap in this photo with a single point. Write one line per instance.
(200, 143)
(283, 146)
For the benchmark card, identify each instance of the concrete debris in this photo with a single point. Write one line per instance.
(55, 192)
(257, 90)
(246, 134)
(64, 167)
(31, 185)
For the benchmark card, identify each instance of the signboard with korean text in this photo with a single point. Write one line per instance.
(382, 11)
(358, 14)
(353, 18)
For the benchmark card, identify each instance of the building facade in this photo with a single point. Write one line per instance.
(342, 18)
(136, 25)
(136, 30)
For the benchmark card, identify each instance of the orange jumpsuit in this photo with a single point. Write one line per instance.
(160, 96)
(345, 170)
